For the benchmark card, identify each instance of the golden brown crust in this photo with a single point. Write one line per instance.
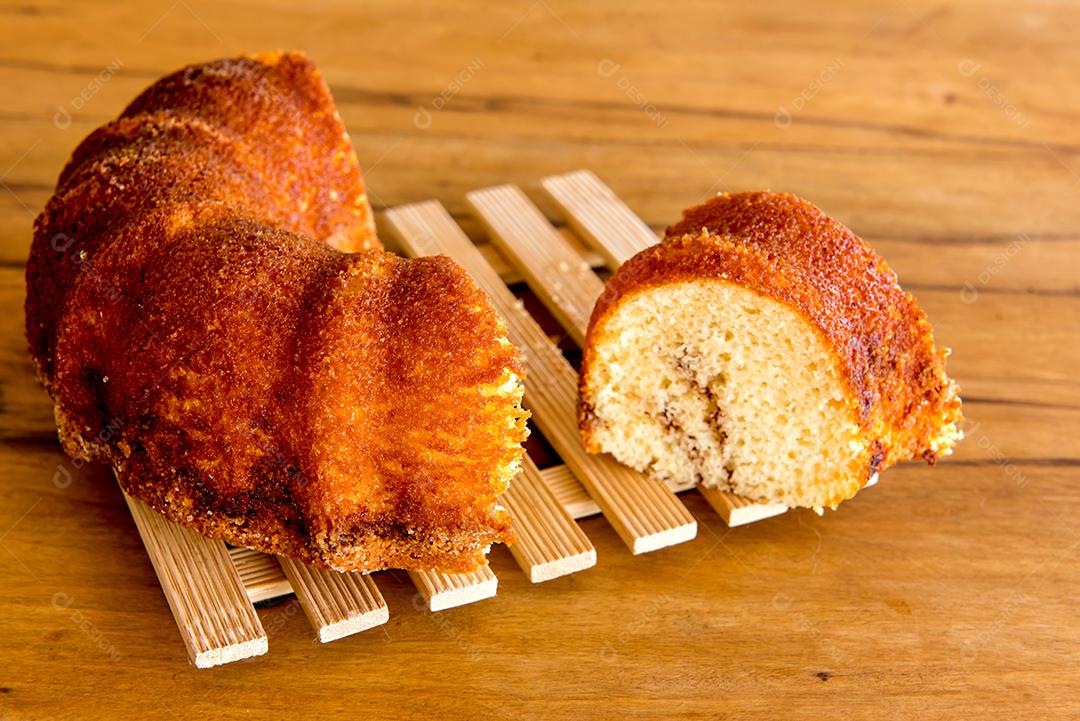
(786, 249)
(353, 410)
(131, 170)
(279, 107)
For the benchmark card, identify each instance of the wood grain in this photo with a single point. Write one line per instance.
(941, 593)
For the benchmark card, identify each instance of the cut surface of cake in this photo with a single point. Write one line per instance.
(764, 349)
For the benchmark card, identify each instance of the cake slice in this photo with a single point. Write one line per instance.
(764, 349)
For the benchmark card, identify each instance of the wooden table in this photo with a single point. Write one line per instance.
(945, 134)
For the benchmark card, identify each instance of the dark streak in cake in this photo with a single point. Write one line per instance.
(715, 415)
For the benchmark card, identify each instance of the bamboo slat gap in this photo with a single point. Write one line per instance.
(212, 610)
(617, 233)
(646, 515)
(336, 604)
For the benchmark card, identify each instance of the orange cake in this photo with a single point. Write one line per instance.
(212, 313)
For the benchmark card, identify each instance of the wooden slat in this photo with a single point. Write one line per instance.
(511, 275)
(738, 511)
(568, 490)
(646, 515)
(557, 273)
(598, 215)
(208, 601)
(260, 573)
(573, 496)
(550, 543)
(336, 604)
(508, 272)
(608, 223)
(441, 591)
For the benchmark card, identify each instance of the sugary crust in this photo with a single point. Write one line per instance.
(357, 411)
(279, 107)
(121, 172)
(786, 249)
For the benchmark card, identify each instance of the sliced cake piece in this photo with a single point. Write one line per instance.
(764, 349)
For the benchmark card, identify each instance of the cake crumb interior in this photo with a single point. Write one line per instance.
(713, 383)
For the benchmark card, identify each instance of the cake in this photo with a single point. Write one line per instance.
(764, 349)
(213, 315)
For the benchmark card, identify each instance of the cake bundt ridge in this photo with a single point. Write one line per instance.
(212, 313)
(765, 349)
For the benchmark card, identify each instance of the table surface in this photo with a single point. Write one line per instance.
(947, 135)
